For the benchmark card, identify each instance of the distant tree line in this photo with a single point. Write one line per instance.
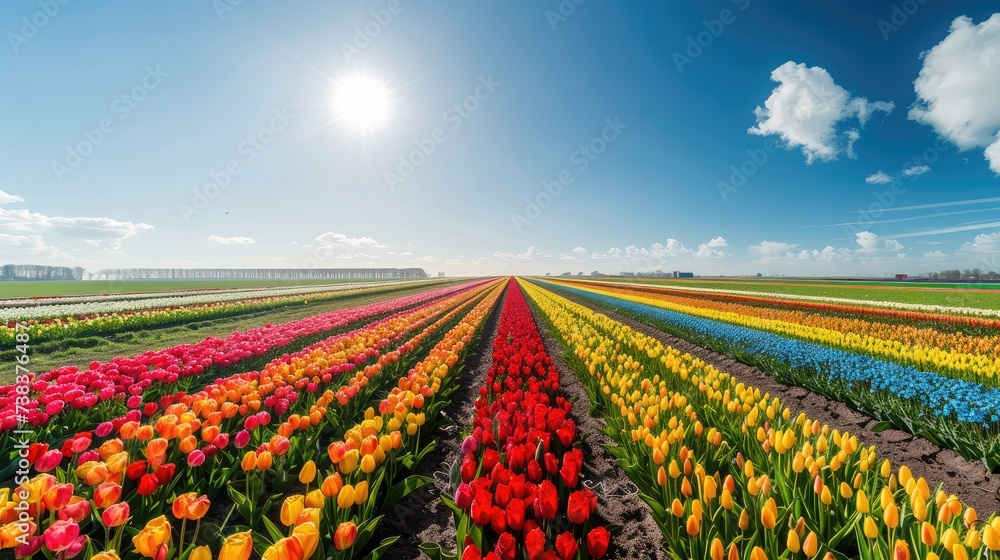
(255, 273)
(39, 272)
(967, 274)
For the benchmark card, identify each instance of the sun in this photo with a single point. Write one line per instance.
(361, 101)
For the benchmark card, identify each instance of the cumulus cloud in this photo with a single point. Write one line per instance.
(879, 178)
(33, 245)
(231, 240)
(6, 198)
(772, 248)
(531, 254)
(331, 238)
(579, 250)
(807, 111)
(983, 243)
(958, 85)
(915, 171)
(933, 255)
(871, 243)
(104, 233)
(673, 250)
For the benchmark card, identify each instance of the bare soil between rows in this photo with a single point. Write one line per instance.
(971, 481)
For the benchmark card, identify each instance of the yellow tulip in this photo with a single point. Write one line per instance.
(308, 472)
(201, 553)
(716, 550)
(345, 498)
(870, 528)
(861, 501)
(792, 542)
(959, 552)
(991, 537)
(361, 492)
(237, 546)
(891, 516)
(308, 537)
(928, 535)
(291, 508)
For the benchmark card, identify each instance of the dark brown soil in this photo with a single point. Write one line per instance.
(421, 517)
(618, 503)
(969, 480)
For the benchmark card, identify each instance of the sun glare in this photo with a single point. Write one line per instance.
(362, 101)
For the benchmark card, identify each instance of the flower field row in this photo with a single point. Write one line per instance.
(127, 380)
(239, 443)
(72, 306)
(893, 305)
(953, 413)
(43, 324)
(975, 359)
(729, 473)
(520, 493)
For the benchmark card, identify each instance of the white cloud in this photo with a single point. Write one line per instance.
(939, 254)
(771, 248)
(427, 259)
(33, 245)
(806, 109)
(569, 258)
(879, 178)
(231, 240)
(279, 259)
(103, 233)
(405, 254)
(331, 238)
(659, 253)
(983, 243)
(958, 85)
(915, 170)
(579, 250)
(826, 255)
(6, 198)
(528, 255)
(871, 243)
(993, 155)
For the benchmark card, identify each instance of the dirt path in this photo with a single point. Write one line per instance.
(969, 480)
(640, 537)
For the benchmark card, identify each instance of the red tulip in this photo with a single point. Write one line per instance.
(49, 461)
(75, 511)
(116, 514)
(148, 484)
(482, 509)
(135, 470)
(506, 547)
(534, 543)
(61, 535)
(597, 542)
(472, 552)
(463, 496)
(547, 500)
(515, 514)
(578, 509)
(165, 473)
(567, 546)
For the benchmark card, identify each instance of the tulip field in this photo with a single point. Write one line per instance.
(300, 440)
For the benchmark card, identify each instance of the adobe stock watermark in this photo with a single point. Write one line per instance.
(580, 159)
(695, 45)
(224, 7)
(247, 150)
(898, 17)
(427, 146)
(887, 196)
(121, 108)
(562, 13)
(31, 26)
(365, 34)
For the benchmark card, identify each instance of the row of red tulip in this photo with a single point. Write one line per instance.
(521, 493)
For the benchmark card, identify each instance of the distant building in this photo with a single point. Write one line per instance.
(678, 274)
(900, 277)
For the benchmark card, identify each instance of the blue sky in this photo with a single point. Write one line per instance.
(646, 111)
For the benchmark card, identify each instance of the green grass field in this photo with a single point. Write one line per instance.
(91, 287)
(980, 296)
(132, 343)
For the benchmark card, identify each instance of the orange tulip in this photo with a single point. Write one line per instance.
(92, 472)
(249, 462)
(264, 460)
(344, 537)
(288, 548)
(308, 537)
(154, 534)
(57, 496)
(901, 551)
(332, 485)
(107, 494)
